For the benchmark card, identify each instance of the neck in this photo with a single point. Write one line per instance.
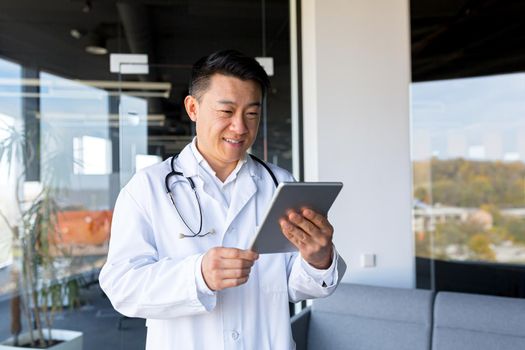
(222, 171)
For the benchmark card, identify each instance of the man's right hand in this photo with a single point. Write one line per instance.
(227, 267)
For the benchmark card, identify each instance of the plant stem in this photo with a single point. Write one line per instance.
(16, 325)
(36, 309)
(28, 259)
(25, 287)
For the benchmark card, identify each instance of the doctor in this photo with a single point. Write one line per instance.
(180, 260)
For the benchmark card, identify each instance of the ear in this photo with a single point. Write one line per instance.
(192, 107)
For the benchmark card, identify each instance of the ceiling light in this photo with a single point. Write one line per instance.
(51, 88)
(96, 45)
(96, 50)
(75, 33)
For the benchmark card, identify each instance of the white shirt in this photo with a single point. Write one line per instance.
(153, 274)
(222, 190)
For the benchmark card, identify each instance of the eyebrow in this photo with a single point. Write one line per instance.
(228, 102)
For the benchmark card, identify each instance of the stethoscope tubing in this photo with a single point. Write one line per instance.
(173, 172)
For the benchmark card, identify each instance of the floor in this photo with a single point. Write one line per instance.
(98, 321)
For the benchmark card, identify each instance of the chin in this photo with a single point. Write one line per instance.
(234, 156)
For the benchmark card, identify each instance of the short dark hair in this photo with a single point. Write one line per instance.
(230, 63)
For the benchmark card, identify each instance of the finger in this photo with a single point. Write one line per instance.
(300, 234)
(292, 233)
(248, 255)
(233, 282)
(236, 263)
(234, 273)
(319, 220)
(305, 225)
(324, 233)
(234, 253)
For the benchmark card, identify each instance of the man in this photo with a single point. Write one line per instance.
(181, 261)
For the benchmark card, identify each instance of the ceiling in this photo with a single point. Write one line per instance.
(450, 38)
(465, 38)
(173, 33)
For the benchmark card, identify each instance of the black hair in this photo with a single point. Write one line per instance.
(230, 63)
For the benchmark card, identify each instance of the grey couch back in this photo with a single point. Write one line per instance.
(358, 317)
(365, 317)
(478, 322)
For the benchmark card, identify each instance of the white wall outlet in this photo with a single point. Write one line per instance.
(368, 260)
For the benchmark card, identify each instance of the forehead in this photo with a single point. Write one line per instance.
(225, 86)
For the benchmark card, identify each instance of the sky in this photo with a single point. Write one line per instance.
(9, 104)
(480, 118)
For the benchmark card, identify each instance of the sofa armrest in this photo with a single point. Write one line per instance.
(300, 324)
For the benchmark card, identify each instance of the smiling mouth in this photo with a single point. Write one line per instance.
(232, 141)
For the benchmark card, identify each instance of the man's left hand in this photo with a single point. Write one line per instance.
(312, 234)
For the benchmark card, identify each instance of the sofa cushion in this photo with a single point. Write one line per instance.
(478, 322)
(367, 317)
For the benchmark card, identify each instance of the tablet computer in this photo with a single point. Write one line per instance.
(319, 196)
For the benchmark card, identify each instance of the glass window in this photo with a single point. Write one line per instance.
(82, 131)
(10, 111)
(469, 168)
(468, 148)
(91, 155)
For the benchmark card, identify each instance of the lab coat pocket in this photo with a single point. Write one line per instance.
(272, 273)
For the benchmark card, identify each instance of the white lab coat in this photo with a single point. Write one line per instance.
(151, 272)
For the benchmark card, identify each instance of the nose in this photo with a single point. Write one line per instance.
(238, 124)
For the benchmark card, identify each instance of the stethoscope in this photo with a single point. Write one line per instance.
(192, 185)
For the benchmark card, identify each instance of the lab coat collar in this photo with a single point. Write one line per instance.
(245, 189)
(188, 164)
(246, 182)
(205, 166)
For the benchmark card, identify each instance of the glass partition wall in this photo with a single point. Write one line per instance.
(72, 133)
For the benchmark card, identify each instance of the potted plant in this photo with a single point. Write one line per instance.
(40, 269)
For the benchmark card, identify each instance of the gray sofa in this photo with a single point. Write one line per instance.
(358, 317)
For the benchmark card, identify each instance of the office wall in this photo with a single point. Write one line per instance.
(356, 75)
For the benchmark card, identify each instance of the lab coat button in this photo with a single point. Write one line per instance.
(235, 335)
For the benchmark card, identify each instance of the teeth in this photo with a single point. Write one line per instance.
(232, 141)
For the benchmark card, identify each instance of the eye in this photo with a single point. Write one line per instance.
(225, 112)
(252, 115)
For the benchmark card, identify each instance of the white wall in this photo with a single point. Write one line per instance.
(356, 75)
